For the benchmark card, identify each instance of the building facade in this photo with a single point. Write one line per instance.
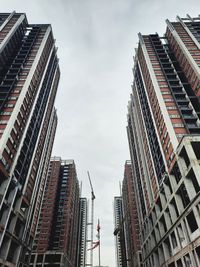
(131, 225)
(164, 135)
(121, 257)
(57, 232)
(28, 85)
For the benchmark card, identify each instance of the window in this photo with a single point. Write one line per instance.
(174, 241)
(192, 221)
(179, 263)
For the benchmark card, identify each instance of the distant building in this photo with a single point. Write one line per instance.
(56, 241)
(119, 235)
(164, 139)
(29, 76)
(82, 238)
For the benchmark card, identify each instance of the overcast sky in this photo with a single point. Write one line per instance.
(96, 41)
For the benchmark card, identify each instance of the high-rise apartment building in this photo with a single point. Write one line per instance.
(29, 76)
(164, 139)
(82, 238)
(131, 225)
(57, 232)
(120, 247)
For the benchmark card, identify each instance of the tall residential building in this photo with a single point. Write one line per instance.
(82, 237)
(164, 139)
(56, 241)
(131, 225)
(29, 76)
(120, 247)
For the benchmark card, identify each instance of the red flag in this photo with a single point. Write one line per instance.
(96, 244)
(98, 227)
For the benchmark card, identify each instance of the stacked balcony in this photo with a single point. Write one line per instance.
(186, 101)
(11, 76)
(194, 27)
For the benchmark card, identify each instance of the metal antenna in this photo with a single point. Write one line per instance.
(120, 188)
(80, 188)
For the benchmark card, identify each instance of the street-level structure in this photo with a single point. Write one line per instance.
(164, 139)
(29, 76)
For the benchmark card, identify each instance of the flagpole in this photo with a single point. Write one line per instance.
(92, 223)
(99, 243)
(92, 218)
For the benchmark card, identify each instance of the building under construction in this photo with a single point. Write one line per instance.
(120, 247)
(82, 239)
(29, 76)
(57, 236)
(131, 224)
(164, 139)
